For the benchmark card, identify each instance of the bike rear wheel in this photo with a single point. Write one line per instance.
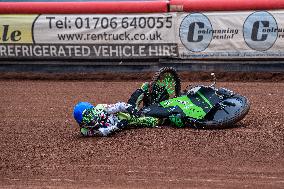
(236, 108)
(165, 84)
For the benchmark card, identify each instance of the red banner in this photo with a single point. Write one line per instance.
(83, 7)
(224, 5)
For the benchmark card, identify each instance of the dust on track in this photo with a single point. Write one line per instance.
(41, 146)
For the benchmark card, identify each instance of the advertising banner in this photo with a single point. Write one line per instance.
(224, 35)
(209, 35)
(89, 36)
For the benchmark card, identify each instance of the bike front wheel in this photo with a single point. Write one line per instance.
(165, 85)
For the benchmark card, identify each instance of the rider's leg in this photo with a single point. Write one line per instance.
(142, 121)
(173, 115)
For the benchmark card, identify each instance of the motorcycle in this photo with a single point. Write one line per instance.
(199, 106)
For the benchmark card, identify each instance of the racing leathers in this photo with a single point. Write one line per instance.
(104, 119)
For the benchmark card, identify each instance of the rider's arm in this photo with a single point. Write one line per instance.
(108, 130)
(121, 107)
(87, 132)
(109, 126)
(117, 107)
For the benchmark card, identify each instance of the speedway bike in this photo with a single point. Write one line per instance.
(198, 106)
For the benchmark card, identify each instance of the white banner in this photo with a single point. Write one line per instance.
(111, 36)
(94, 36)
(231, 35)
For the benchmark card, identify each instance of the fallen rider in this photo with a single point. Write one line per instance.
(105, 119)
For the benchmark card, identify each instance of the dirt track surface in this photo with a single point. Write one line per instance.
(42, 148)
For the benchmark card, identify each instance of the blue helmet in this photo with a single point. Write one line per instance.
(79, 109)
